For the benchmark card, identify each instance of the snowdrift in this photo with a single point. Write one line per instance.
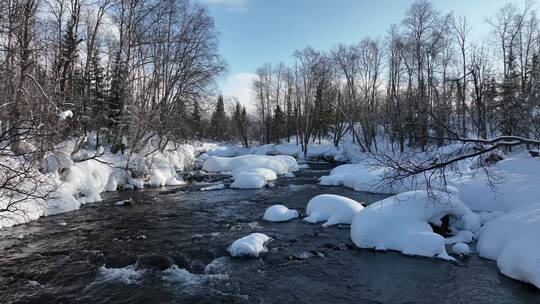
(401, 223)
(333, 209)
(77, 183)
(513, 240)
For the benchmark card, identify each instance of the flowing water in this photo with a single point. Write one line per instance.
(169, 246)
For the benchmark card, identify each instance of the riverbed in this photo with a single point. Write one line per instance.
(169, 246)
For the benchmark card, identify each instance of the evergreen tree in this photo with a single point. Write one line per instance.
(241, 123)
(97, 95)
(278, 125)
(510, 107)
(195, 120)
(218, 122)
(115, 103)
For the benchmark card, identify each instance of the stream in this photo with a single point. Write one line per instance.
(170, 245)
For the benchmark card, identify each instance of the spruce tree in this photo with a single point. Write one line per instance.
(218, 122)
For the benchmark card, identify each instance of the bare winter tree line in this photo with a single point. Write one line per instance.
(427, 82)
(114, 70)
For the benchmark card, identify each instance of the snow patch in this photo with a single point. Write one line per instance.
(513, 241)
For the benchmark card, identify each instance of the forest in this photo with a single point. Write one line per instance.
(127, 173)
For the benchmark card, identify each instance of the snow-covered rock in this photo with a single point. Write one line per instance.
(250, 246)
(513, 240)
(248, 180)
(279, 213)
(268, 174)
(333, 209)
(401, 223)
(461, 249)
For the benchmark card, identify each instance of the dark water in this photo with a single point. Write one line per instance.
(63, 263)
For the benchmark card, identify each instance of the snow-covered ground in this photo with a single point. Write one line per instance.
(76, 183)
(505, 221)
(509, 212)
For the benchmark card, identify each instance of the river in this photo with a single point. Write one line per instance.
(170, 247)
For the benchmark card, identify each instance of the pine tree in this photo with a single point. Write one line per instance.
(116, 104)
(218, 122)
(241, 122)
(278, 124)
(97, 95)
(510, 107)
(195, 120)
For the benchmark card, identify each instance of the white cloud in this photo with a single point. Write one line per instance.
(239, 87)
(233, 5)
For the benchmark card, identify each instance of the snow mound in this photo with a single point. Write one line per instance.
(333, 209)
(279, 213)
(249, 180)
(513, 241)
(363, 177)
(250, 246)
(251, 171)
(401, 223)
(127, 275)
(461, 249)
(223, 164)
(268, 174)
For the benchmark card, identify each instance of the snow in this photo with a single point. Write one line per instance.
(251, 171)
(401, 223)
(249, 246)
(363, 177)
(248, 180)
(219, 186)
(77, 183)
(279, 213)
(461, 236)
(223, 164)
(513, 241)
(461, 249)
(519, 185)
(63, 115)
(267, 174)
(333, 209)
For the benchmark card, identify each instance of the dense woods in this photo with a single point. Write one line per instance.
(427, 81)
(123, 69)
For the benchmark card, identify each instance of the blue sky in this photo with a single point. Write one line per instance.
(257, 31)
